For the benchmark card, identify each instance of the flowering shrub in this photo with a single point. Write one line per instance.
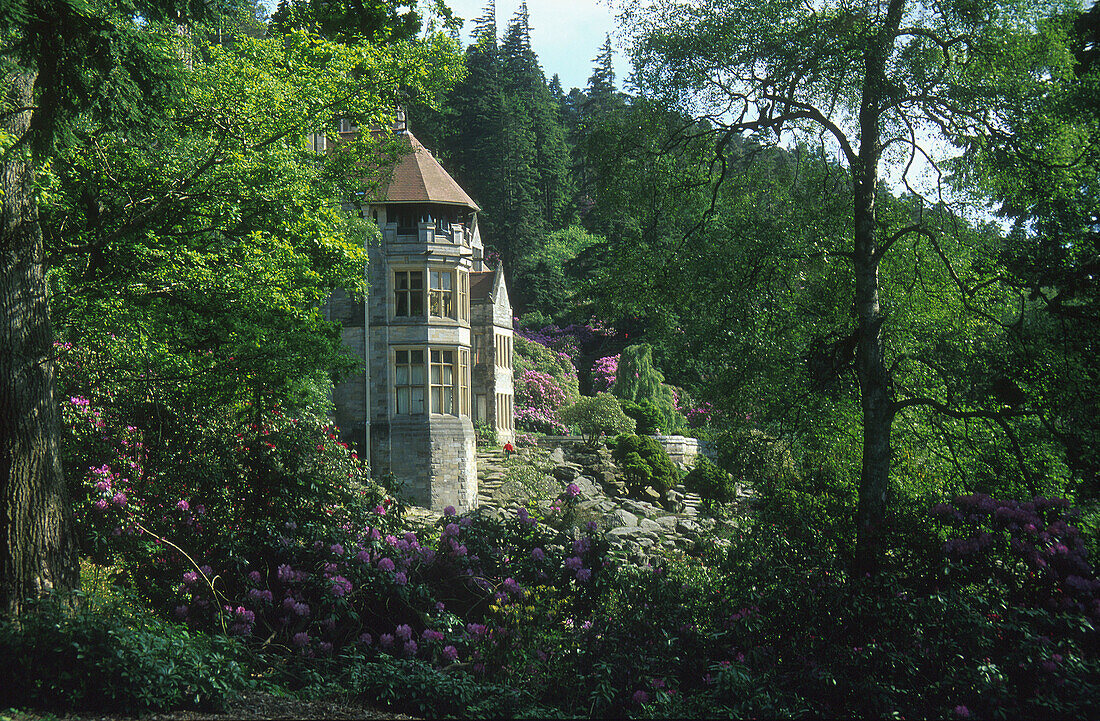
(1032, 549)
(570, 340)
(538, 399)
(603, 373)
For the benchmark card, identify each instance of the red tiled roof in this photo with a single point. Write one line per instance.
(419, 178)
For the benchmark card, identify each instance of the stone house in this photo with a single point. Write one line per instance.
(434, 337)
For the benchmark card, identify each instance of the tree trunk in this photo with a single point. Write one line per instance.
(37, 552)
(874, 380)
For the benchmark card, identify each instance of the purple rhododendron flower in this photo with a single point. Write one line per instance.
(962, 711)
(410, 649)
(337, 549)
(403, 632)
(584, 574)
(640, 697)
(386, 564)
(538, 554)
(400, 578)
(573, 563)
(451, 653)
(183, 505)
(366, 638)
(449, 511)
(572, 490)
(386, 640)
(299, 639)
(190, 577)
(340, 586)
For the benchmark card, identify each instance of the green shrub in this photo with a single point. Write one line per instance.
(710, 481)
(639, 454)
(595, 416)
(416, 687)
(648, 418)
(485, 434)
(80, 653)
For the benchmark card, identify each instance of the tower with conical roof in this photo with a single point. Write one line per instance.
(435, 338)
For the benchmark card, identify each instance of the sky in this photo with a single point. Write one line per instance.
(565, 34)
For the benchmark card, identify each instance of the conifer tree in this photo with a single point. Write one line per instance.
(478, 106)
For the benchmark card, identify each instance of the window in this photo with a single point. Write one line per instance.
(348, 126)
(504, 350)
(479, 347)
(441, 294)
(504, 412)
(463, 295)
(409, 382)
(450, 381)
(464, 382)
(445, 385)
(408, 293)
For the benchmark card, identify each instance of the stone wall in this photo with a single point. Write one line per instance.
(681, 449)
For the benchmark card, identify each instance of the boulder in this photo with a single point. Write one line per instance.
(687, 527)
(667, 522)
(565, 474)
(623, 518)
(557, 456)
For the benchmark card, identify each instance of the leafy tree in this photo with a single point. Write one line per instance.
(597, 416)
(1045, 177)
(60, 61)
(376, 21)
(871, 82)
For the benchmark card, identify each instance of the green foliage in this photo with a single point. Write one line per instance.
(638, 380)
(710, 481)
(206, 256)
(485, 434)
(81, 653)
(597, 416)
(376, 21)
(416, 687)
(648, 418)
(645, 463)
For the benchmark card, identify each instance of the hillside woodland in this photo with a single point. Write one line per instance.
(852, 248)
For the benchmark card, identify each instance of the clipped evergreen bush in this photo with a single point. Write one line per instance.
(645, 463)
(648, 418)
(710, 481)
